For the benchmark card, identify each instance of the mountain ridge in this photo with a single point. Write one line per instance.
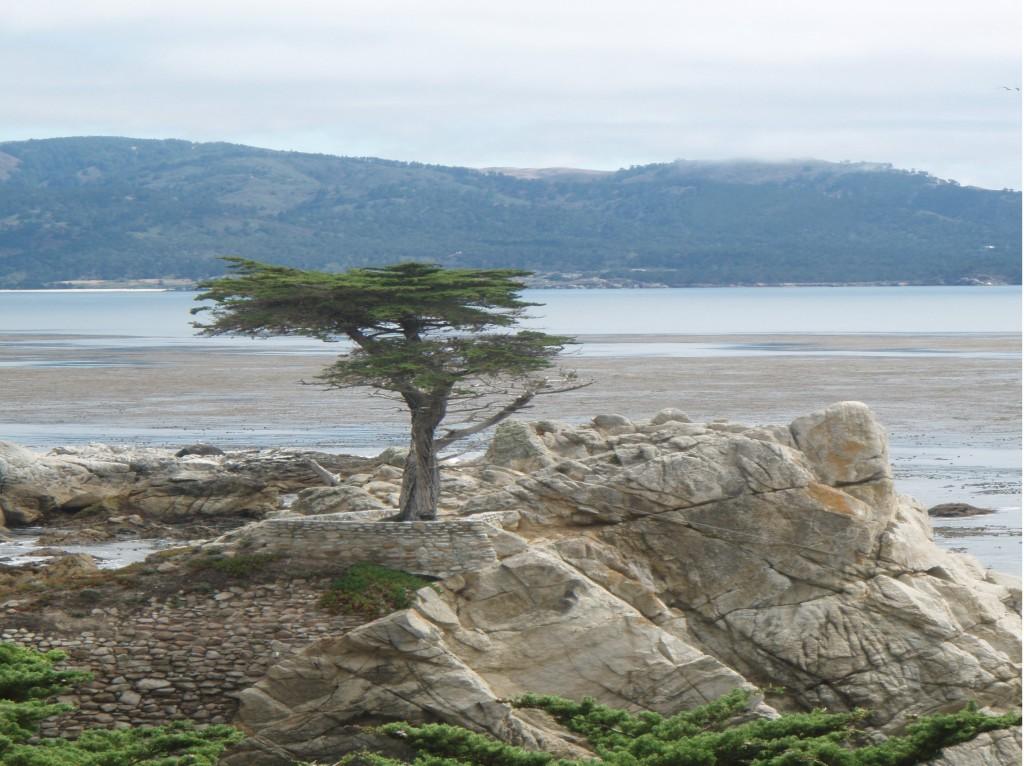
(124, 208)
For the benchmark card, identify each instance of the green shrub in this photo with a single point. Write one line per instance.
(371, 591)
(26, 674)
(241, 567)
(178, 744)
(705, 736)
(90, 595)
(20, 720)
(26, 677)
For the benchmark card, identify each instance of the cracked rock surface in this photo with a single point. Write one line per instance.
(156, 484)
(657, 565)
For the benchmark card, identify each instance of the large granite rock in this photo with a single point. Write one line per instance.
(530, 623)
(790, 556)
(657, 565)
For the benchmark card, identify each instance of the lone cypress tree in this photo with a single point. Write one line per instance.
(434, 337)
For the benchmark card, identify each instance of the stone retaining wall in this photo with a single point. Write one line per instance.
(180, 658)
(187, 656)
(438, 548)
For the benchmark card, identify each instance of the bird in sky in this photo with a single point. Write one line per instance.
(1007, 87)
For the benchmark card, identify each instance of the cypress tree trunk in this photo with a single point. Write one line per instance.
(421, 479)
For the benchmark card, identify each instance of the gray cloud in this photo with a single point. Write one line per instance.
(596, 84)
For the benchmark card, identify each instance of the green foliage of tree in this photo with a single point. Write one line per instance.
(716, 734)
(429, 336)
(28, 677)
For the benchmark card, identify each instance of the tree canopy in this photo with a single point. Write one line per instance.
(431, 336)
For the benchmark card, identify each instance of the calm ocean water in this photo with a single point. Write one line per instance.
(140, 318)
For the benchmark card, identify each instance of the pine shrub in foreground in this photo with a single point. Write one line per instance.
(28, 677)
(700, 737)
(705, 736)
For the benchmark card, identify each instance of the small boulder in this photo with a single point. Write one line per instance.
(70, 565)
(15, 515)
(379, 488)
(669, 415)
(344, 498)
(956, 510)
(843, 443)
(517, 446)
(613, 425)
(394, 456)
(199, 449)
(388, 473)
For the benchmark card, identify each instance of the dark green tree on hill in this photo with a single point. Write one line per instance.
(441, 340)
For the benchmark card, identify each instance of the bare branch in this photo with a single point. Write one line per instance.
(573, 387)
(332, 480)
(453, 456)
(452, 435)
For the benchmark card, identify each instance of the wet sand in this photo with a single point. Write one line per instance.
(919, 391)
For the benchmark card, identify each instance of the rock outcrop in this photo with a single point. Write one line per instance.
(957, 510)
(997, 748)
(658, 565)
(532, 623)
(156, 484)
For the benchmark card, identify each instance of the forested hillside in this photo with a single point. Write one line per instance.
(120, 208)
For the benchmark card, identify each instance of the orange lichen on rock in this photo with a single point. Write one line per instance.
(833, 500)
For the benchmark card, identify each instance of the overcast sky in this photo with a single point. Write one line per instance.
(530, 83)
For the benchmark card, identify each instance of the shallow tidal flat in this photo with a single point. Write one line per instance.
(951, 402)
(929, 390)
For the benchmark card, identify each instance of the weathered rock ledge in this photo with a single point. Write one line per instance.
(658, 565)
(108, 491)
